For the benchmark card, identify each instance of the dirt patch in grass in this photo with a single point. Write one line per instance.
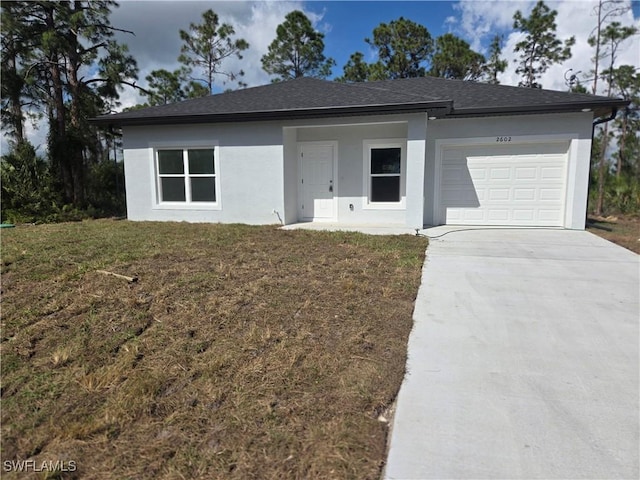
(241, 352)
(621, 229)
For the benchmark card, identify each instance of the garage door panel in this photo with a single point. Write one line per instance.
(552, 173)
(526, 173)
(463, 198)
(551, 194)
(504, 185)
(477, 215)
(499, 194)
(550, 215)
(523, 214)
(496, 214)
(499, 173)
(477, 174)
(524, 194)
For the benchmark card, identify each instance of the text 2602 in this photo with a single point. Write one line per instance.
(503, 139)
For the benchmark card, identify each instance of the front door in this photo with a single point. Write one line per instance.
(316, 199)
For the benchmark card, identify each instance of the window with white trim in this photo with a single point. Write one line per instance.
(385, 170)
(187, 175)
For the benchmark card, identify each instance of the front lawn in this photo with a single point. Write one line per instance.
(240, 352)
(621, 229)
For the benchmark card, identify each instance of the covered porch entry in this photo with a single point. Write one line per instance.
(356, 171)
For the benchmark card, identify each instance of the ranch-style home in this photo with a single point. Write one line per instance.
(411, 153)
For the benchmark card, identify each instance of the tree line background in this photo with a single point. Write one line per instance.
(61, 65)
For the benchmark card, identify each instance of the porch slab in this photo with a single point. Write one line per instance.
(369, 229)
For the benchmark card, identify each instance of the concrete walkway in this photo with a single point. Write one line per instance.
(523, 360)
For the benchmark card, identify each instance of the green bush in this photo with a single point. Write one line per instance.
(105, 189)
(31, 195)
(622, 194)
(27, 193)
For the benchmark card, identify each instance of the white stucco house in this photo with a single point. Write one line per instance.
(411, 153)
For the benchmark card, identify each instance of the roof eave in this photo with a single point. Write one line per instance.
(598, 108)
(438, 108)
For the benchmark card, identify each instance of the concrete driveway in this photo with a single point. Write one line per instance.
(523, 360)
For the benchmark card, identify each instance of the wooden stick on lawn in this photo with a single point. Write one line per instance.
(124, 277)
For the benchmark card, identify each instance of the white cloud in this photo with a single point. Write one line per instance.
(480, 20)
(259, 29)
(156, 43)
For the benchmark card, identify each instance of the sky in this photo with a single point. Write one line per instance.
(156, 42)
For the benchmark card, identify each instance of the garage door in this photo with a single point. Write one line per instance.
(516, 185)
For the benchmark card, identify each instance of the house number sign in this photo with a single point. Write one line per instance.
(503, 139)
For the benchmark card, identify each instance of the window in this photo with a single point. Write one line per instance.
(384, 168)
(187, 175)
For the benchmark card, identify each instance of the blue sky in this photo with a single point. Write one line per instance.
(156, 23)
(352, 22)
(347, 23)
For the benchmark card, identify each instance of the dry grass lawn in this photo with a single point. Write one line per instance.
(241, 352)
(621, 229)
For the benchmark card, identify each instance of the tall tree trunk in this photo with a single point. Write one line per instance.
(76, 156)
(58, 131)
(15, 104)
(596, 60)
(602, 166)
(621, 145)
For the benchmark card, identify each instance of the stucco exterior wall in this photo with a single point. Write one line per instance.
(250, 169)
(575, 127)
(258, 164)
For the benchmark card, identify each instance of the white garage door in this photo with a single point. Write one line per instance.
(504, 184)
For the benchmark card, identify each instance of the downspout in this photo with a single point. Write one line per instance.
(614, 113)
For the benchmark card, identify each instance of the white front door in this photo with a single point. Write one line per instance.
(316, 199)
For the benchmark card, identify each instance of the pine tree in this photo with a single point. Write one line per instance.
(541, 48)
(297, 51)
(454, 58)
(207, 45)
(495, 64)
(605, 10)
(612, 36)
(627, 86)
(75, 70)
(356, 69)
(403, 47)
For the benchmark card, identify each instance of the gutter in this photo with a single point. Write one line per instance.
(531, 109)
(614, 113)
(440, 109)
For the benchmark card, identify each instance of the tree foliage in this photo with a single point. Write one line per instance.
(26, 185)
(403, 46)
(612, 37)
(164, 87)
(66, 64)
(207, 45)
(356, 69)
(495, 64)
(626, 80)
(297, 51)
(604, 11)
(540, 48)
(454, 58)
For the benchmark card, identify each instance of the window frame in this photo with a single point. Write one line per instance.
(189, 204)
(367, 147)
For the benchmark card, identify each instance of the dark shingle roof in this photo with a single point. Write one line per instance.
(309, 97)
